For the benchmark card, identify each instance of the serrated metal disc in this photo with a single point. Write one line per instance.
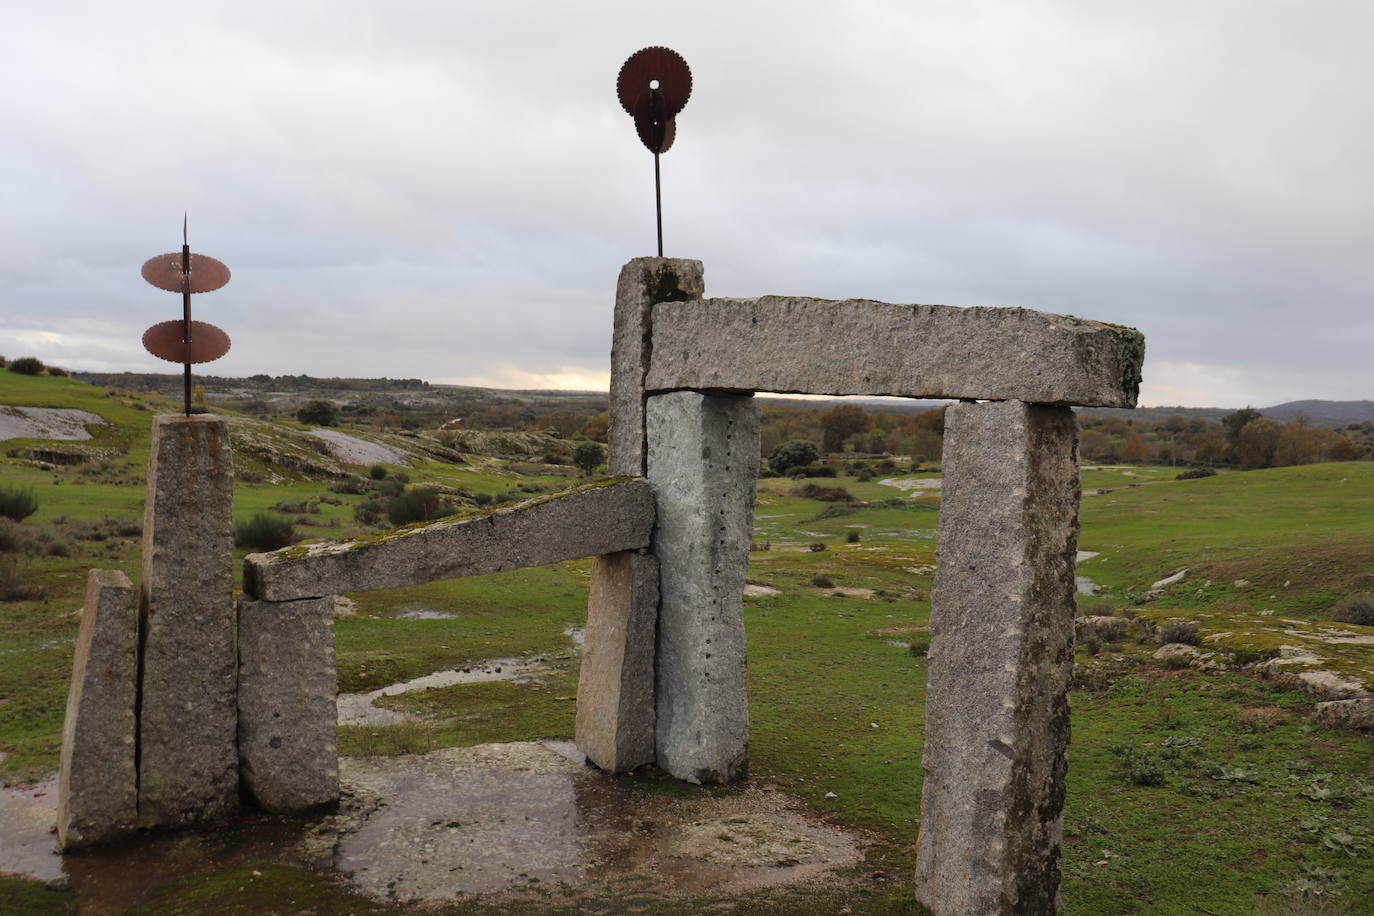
(164, 272)
(663, 65)
(165, 341)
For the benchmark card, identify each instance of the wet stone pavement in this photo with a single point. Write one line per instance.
(527, 820)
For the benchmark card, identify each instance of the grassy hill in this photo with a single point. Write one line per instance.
(1190, 790)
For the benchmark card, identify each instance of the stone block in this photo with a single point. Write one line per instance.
(792, 344)
(188, 761)
(997, 704)
(586, 521)
(615, 689)
(703, 462)
(288, 753)
(643, 282)
(97, 785)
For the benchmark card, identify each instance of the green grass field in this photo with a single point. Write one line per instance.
(1189, 792)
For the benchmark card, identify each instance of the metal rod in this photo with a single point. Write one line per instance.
(658, 205)
(186, 319)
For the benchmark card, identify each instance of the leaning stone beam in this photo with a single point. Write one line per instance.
(997, 704)
(615, 689)
(703, 461)
(643, 282)
(586, 521)
(97, 785)
(822, 346)
(188, 759)
(287, 718)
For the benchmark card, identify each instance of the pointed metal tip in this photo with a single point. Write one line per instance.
(185, 217)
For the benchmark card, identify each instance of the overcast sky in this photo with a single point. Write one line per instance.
(447, 190)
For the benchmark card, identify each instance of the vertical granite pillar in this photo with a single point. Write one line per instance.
(703, 461)
(643, 282)
(615, 689)
(188, 759)
(287, 720)
(997, 706)
(97, 785)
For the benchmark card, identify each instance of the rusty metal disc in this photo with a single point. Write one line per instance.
(164, 272)
(656, 132)
(165, 341)
(656, 64)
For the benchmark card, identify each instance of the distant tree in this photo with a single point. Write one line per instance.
(565, 422)
(791, 455)
(1235, 422)
(597, 427)
(589, 456)
(318, 413)
(1343, 450)
(925, 445)
(27, 365)
(1298, 443)
(1259, 440)
(1135, 449)
(841, 422)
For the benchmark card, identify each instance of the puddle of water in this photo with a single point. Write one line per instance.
(358, 708)
(760, 591)
(1084, 586)
(578, 635)
(1087, 555)
(423, 613)
(29, 815)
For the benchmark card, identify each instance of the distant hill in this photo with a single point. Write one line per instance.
(1335, 414)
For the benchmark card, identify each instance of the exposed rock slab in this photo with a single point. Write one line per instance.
(997, 706)
(46, 423)
(642, 283)
(98, 782)
(288, 750)
(615, 688)
(792, 344)
(703, 461)
(188, 758)
(597, 518)
(1355, 713)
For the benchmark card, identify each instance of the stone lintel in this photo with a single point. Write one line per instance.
(288, 753)
(703, 462)
(643, 282)
(188, 759)
(586, 521)
(615, 689)
(997, 704)
(858, 346)
(97, 795)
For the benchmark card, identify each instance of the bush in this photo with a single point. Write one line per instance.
(377, 472)
(793, 455)
(483, 499)
(589, 456)
(17, 503)
(919, 645)
(1356, 609)
(1142, 766)
(817, 546)
(852, 537)
(1178, 631)
(822, 582)
(370, 511)
(27, 365)
(1196, 474)
(57, 372)
(825, 494)
(318, 413)
(265, 532)
(416, 505)
(12, 584)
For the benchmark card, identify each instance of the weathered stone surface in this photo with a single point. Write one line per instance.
(643, 282)
(1357, 713)
(188, 761)
(97, 795)
(615, 689)
(997, 706)
(288, 751)
(703, 461)
(822, 346)
(586, 521)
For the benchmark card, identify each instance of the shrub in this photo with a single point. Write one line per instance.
(825, 494)
(817, 546)
(822, 582)
(318, 413)
(265, 532)
(813, 470)
(55, 371)
(17, 503)
(1142, 766)
(377, 472)
(793, 455)
(12, 584)
(919, 645)
(416, 505)
(1091, 644)
(589, 456)
(1356, 609)
(370, 511)
(347, 485)
(1178, 631)
(483, 499)
(852, 537)
(27, 365)
(1196, 474)
(296, 508)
